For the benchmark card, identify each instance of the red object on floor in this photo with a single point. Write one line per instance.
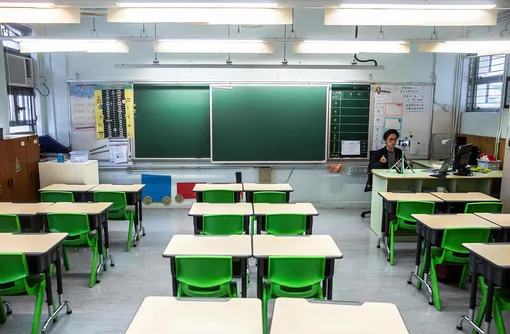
(186, 189)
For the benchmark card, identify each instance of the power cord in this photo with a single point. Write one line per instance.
(47, 94)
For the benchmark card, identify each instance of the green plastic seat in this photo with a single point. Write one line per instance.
(15, 279)
(57, 196)
(205, 276)
(405, 221)
(500, 303)
(218, 196)
(293, 277)
(223, 224)
(9, 224)
(266, 197)
(452, 252)
(285, 224)
(484, 207)
(118, 211)
(80, 236)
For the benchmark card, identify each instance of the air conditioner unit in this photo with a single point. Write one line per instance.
(19, 71)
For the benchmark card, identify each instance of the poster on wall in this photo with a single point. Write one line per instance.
(82, 107)
(114, 111)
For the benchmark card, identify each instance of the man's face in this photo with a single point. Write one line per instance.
(391, 141)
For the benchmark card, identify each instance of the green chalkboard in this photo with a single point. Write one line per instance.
(172, 121)
(269, 123)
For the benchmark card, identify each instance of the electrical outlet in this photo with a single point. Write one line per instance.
(42, 80)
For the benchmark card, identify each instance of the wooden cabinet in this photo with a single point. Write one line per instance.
(5, 178)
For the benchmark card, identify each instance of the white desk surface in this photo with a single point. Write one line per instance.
(394, 197)
(29, 243)
(231, 245)
(165, 315)
(320, 317)
(497, 253)
(88, 208)
(421, 174)
(443, 221)
(199, 187)
(465, 197)
(500, 219)
(306, 245)
(127, 188)
(267, 187)
(23, 208)
(69, 187)
(201, 209)
(303, 208)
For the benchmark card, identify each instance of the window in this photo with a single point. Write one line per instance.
(22, 117)
(485, 83)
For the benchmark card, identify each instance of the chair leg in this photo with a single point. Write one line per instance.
(464, 276)
(252, 226)
(67, 265)
(435, 286)
(498, 317)
(392, 244)
(38, 307)
(265, 300)
(130, 235)
(3, 313)
(422, 266)
(93, 272)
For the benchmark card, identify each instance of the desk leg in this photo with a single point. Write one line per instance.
(244, 277)
(106, 255)
(174, 280)
(101, 255)
(325, 288)
(52, 314)
(488, 307)
(472, 305)
(260, 220)
(140, 208)
(287, 196)
(331, 265)
(197, 221)
(426, 270)
(309, 225)
(259, 278)
(247, 225)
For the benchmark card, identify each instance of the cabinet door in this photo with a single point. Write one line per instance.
(33, 157)
(5, 175)
(18, 167)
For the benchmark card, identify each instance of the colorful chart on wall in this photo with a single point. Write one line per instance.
(82, 107)
(114, 111)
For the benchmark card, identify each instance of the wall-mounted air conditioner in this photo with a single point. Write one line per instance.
(19, 71)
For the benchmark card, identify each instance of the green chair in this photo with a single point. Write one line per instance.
(118, 211)
(80, 236)
(292, 277)
(484, 207)
(223, 224)
(205, 276)
(9, 224)
(452, 252)
(405, 221)
(218, 196)
(15, 279)
(266, 197)
(285, 224)
(57, 196)
(501, 302)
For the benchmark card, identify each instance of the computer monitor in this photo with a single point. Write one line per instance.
(462, 158)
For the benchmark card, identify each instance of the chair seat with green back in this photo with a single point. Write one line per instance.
(80, 236)
(9, 224)
(223, 224)
(118, 211)
(15, 279)
(57, 196)
(218, 196)
(286, 223)
(267, 197)
(484, 207)
(405, 221)
(205, 276)
(292, 277)
(500, 302)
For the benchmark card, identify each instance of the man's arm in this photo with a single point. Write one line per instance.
(375, 162)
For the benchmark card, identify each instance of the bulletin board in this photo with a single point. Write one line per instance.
(408, 108)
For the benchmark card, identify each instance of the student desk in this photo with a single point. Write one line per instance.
(237, 246)
(265, 246)
(390, 200)
(199, 188)
(41, 250)
(199, 210)
(251, 188)
(500, 219)
(385, 180)
(134, 197)
(430, 228)
(80, 191)
(98, 216)
(301, 316)
(263, 209)
(493, 262)
(461, 199)
(163, 315)
(27, 214)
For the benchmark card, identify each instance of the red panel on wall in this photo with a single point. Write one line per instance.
(186, 189)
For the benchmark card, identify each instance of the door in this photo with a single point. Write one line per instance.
(33, 157)
(18, 168)
(5, 176)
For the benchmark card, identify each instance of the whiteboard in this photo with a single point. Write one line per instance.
(407, 108)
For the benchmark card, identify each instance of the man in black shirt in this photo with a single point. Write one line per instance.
(387, 156)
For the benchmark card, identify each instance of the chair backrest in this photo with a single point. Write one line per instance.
(119, 200)
(218, 196)
(74, 224)
(9, 224)
(57, 196)
(285, 223)
(224, 224)
(269, 197)
(484, 207)
(407, 208)
(13, 268)
(296, 271)
(453, 238)
(203, 271)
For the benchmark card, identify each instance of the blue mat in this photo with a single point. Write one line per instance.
(157, 186)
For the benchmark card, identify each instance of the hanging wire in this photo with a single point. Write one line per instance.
(285, 62)
(229, 61)
(143, 32)
(292, 27)
(93, 28)
(434, 34)
(155, 61)
(381, 33)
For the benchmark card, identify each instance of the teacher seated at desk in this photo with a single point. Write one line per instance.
(389, 155)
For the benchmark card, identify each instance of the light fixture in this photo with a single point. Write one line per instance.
(252, 66)
(27, 4)
(416, 6)
(481, 48)
(213, 46)
(39, 15)
(194, 5)
(352, 47)
(72, 45)
(234, 16)
(385, 16)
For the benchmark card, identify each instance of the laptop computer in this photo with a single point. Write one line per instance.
(443, 171)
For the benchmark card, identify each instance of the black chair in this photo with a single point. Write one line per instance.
(368, 185)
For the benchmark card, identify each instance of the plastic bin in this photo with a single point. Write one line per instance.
(492, 165)
(79, 156)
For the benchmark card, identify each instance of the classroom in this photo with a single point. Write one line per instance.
(255, 166)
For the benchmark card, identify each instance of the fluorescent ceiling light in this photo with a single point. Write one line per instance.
(352, 47)
(213, 46)
(415, 6)
(27, 4)
(479, 47)
(411, 17)
(72, 45)
(244, 16)
(40, 15)
(254, 66)
(194, 5)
